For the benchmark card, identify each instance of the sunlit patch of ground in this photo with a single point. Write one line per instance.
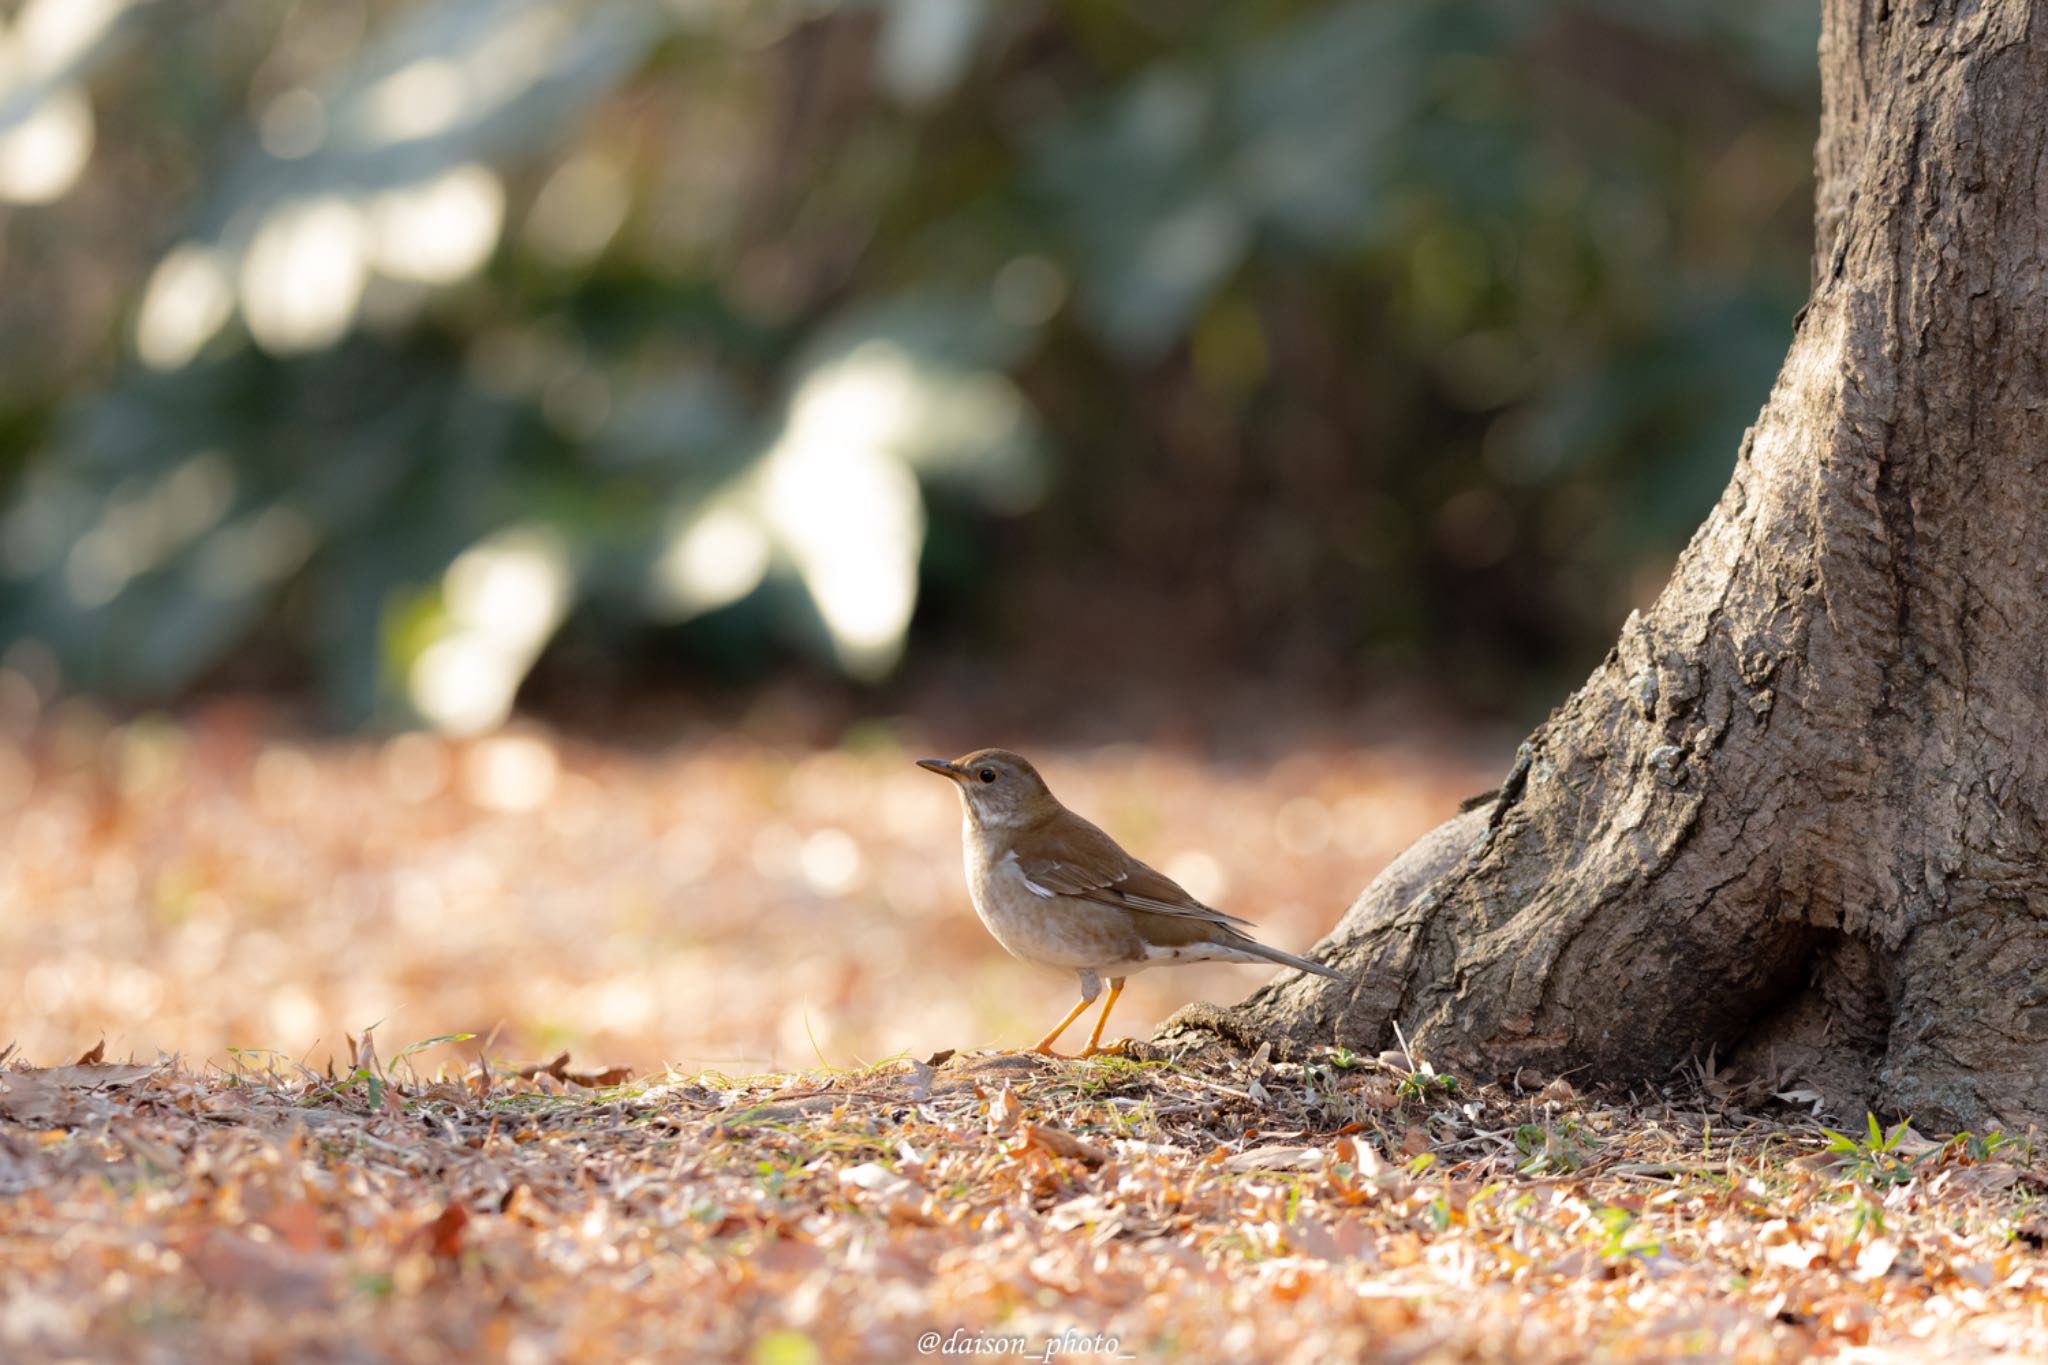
(1201, 1210)
(716, 899)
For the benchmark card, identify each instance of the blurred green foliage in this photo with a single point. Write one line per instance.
(382, 344)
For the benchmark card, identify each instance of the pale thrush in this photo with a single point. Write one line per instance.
(1056, 890)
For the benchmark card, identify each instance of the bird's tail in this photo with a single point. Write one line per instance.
(1256, 949)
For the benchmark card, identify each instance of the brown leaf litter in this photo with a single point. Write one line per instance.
(148, 1212)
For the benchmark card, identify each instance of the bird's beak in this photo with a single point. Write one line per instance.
(940, 766)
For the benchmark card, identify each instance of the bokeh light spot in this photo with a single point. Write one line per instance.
(830, 862)
(42, 155)
(416, 101)
(439, 231)
(718, 558)
(304, 274)
(188, 298)
(510, 773)
(578, 211)
(503, 598)
(294, 125)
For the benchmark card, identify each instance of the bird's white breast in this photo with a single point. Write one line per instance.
(1027, 919)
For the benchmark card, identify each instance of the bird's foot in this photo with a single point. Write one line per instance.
(1115, 1049)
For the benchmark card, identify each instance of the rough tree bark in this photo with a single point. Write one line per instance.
(1800, 812)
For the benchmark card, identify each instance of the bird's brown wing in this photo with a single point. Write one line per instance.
(1089, 864)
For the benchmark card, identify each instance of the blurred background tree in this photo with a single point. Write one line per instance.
(393, 349)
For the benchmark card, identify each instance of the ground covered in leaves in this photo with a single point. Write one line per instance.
(723, 920)
(1168, 1208)
(762, 891)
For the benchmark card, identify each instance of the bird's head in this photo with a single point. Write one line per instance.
(1000, 790)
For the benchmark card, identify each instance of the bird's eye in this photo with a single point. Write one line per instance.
(987, 774)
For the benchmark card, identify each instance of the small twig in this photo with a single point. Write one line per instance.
(1402, 1039)
(1206, 1084)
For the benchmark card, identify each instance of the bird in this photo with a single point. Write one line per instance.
(1055, 890)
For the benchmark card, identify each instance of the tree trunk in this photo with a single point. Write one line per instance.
(1798, 814)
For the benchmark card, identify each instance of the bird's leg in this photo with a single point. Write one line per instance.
(1044, 1048)
(1095, 1047)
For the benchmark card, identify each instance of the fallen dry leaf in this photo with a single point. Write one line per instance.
(95, 1076)
(443, 1236)
(589, 1080)
(26, 1097)
(1052, 1138)
(896, 1196)
(229, 1263)
(1277, 1159)
(63, 1094)
(1876, 1257)
(1794, 1255)
(1003, 1112)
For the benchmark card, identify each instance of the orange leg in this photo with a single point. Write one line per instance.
(1044, 1047)
(1095, 1047)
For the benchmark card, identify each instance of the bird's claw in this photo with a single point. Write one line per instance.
(1115, 1049)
